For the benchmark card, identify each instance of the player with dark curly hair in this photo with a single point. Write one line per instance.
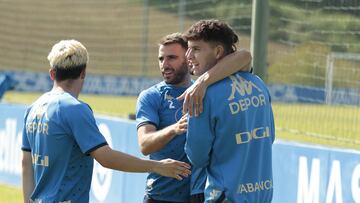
(233, 136)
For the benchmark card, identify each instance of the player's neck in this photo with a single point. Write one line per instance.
(185, 83)
(72, 87)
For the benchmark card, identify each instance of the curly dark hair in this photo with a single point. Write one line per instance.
(174, 38)
(213, 31)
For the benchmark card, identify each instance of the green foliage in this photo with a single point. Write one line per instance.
(301, 24)
(295, 21)
(304, 64)
(236, 12)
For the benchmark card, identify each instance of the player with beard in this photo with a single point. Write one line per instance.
(161, 126)
(60, 137)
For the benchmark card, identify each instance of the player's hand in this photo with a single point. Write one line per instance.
(172, 168)
(181, 125)
(193, 97)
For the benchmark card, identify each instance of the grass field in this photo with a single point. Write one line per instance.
(311, 123)
(320, 124)
(10, 194)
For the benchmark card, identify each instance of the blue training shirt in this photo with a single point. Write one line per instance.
(158, 106)
(60, 132)
(233, 139)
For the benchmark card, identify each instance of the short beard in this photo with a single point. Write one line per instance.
(180, 75)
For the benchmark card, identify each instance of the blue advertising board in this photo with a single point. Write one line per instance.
(306, 173)
(126, 85)
(302, 173)
(307, 94)
(94, 84)
(107, 185)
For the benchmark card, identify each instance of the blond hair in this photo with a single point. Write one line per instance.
(67, 54)
(68, 58)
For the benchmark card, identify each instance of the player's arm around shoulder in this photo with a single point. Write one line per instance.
(193, 97)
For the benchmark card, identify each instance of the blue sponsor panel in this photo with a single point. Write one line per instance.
(31, 81)
(107, 185)
(11, 123)
(307, 94)
(302, 173)
(346, 96)
(297, 94)
(6, 83)
(94, 84)
(126, 85)
(116, 85)
(113, 186)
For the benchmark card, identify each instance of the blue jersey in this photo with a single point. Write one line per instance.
(158, 106)
(233, 139)
(60, 132)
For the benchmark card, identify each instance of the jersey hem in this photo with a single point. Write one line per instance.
(146, 123)
(96, 147)
(25, 149)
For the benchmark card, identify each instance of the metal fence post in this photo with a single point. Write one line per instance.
(145, 36)
(181, 13)
(259, 37)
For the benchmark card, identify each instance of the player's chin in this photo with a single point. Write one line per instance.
(169, 80)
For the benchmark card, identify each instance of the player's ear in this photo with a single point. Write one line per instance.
(83, 74)
(52, 73)
(219, 51)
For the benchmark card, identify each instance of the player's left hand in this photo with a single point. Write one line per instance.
(172, 168)
(193, 97)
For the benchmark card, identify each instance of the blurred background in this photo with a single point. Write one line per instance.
(312, 52)
(312, 57)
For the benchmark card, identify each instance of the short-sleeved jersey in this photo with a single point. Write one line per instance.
(158, 106)
(233, 139)
(60, 132)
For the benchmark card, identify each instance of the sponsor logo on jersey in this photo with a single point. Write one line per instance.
(248, 97)
(255, 186)
(38, 120)
(256, 133)
(40, 160)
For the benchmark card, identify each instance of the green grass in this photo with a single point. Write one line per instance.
(101, 104)
(319, 124)
(10, 194)
(310, 123)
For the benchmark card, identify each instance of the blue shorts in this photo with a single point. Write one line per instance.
(197, 198)
(148, 199)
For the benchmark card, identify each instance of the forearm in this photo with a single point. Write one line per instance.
(27, 179)
(123, 162)
(237, 61)
(154, 141)
(27, 186)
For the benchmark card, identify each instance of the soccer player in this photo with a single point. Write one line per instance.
(161, 126)
(61, 138)
(233, 135)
